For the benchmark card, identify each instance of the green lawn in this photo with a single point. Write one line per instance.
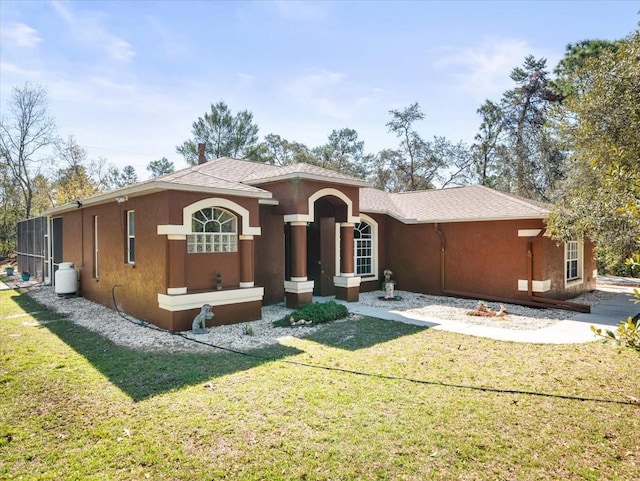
(74, 406)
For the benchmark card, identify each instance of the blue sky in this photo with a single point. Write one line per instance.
(128, 78)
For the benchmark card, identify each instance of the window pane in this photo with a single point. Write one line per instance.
(210, 224)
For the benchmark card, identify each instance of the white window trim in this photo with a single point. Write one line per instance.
(374, 248)
(188, 211)
(130, 236)
(228, 240)
(580, 279)
(95, 247)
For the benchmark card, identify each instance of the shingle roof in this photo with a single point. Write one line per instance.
(201, 177)
(235, 176)
(224, 175)
(302, 170)
(254, 173)
(459, 204)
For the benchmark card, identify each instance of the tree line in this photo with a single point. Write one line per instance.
(570, 138)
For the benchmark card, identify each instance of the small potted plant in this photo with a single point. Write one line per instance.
(9, 270)
(219, 281)
(26, 275)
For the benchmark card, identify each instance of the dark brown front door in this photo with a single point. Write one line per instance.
(327, 256)
(321, 248)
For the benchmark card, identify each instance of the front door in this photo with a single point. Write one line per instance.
(327, 256)
(321, 261)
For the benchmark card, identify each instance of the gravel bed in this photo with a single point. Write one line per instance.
(110, 324)
(456, 309)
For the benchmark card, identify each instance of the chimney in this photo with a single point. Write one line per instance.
(201, 157)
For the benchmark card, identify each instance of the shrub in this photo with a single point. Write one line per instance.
(626, 335)
(248, 331)
(317, 313)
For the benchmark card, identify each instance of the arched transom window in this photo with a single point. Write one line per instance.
(213, 230)
(363, 249)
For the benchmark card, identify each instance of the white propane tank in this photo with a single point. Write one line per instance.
(66, 279)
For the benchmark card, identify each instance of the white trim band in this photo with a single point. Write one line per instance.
(317, 195)
(536, 286)
(299, 279)
(244, 285)
(341, 281)
(176, 291)
(214, 298)
(528, 232)
(298, 287)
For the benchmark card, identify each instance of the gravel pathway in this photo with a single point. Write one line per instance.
(255, 334)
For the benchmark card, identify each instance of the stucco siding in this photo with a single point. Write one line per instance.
(488, 257)
(555, 268)
(269, 255)
(412, 252)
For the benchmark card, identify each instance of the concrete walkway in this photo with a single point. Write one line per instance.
(606, 315)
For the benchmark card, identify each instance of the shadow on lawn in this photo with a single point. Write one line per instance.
(362, 332)
(143, 374)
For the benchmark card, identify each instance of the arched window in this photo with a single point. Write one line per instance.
(213, 230)
(363, 249)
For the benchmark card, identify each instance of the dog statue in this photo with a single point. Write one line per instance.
(200, 322)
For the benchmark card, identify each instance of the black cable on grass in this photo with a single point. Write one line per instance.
(373, 374)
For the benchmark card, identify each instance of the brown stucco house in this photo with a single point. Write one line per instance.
(238, 235)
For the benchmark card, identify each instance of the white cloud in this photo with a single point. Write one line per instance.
(90, 30)
(483, 69)
(11, 68)
(63, 11)
(119, 49)
(330, 94)
(318, 91)
(245, 79)
(20, 35)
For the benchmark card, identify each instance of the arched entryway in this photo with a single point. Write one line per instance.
(321, 244)
(317, 263)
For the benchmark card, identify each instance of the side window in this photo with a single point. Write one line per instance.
(573, 252)
(95, 246)
(131, 237)
(213, 230)
(363, 249)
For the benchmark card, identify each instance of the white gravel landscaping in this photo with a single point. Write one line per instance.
(110, 324)
(456, 309)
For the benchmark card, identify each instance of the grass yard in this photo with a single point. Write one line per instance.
(75, 406)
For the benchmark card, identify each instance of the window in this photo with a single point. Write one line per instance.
(573, 260)
(131, 237)
(95, 246)
(363, 249)
(214, 230)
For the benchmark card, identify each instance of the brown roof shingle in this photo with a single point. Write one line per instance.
(458, 204)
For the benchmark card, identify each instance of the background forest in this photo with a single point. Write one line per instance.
(569, 137)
